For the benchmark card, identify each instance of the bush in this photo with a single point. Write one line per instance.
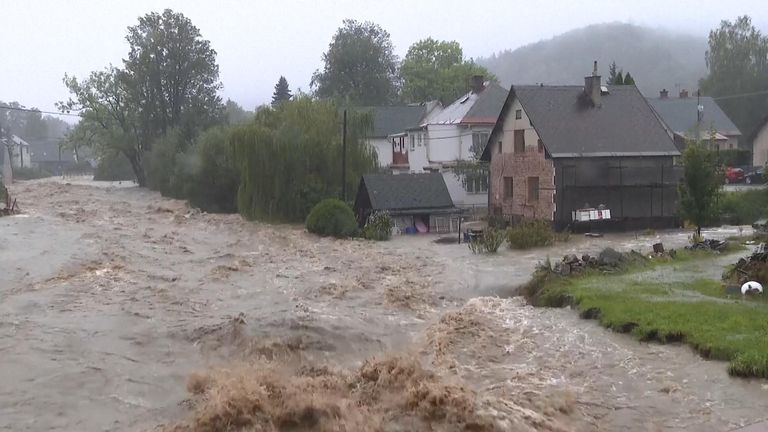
(529, 234)
(114, 167)
(28, 173)
(744, 207)
(332, 217)
(160, 164)
(378, 226)
(489, 242)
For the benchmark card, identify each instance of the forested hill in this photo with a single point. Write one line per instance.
(656, 58)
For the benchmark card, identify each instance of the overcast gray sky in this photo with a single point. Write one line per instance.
(257, 41)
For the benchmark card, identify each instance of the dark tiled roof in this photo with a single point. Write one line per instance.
(624, 124)
(388, 120)
(680, 114)
(407, 191)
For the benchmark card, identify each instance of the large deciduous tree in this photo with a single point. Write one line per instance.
(737, 60)
(169, 81)
(360, 66)
(435, 69)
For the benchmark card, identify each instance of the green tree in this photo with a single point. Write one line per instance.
(435, 69)
(628, 80)
(619, 79)
(235, 114)
(169, 81)
(737, 60)
(282, 92)
(613, 73)
(360, 66)
(290, 158)
(700, 189)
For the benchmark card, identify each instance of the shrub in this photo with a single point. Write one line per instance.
(529, 234)
(378, 226)
(28, 173)
(332, 217)
(489, 242)
(743, 207)
(114, 167)
(160, 164)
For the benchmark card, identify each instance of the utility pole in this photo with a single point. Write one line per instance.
(344, 159)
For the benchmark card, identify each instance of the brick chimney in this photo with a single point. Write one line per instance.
(683, 94)
(664, 94)
(592, 86)
(478, 83)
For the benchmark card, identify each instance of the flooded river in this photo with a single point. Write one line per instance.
(110, 296)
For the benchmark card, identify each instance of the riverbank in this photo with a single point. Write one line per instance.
(652, 301)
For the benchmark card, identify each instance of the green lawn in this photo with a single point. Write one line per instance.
(697, 313)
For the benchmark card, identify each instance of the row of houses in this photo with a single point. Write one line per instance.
(565, 154)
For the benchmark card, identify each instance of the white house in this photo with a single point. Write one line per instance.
(18, 150)
(392, 120)
(451, 135)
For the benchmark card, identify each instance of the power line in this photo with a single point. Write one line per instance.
(37, 111)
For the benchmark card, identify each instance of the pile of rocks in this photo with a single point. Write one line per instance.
(608, 260)
(751, 268)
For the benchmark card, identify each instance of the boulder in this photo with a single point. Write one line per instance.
(610, 257)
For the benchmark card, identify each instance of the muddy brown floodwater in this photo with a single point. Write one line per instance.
(111, 296)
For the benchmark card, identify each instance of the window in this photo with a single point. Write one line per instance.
(519, 140)
(541, 146)
(518, 114)
(533, 189)
(499, 147)
(412, 138)
(476, 183)
(421, 139)
(508, 186)
(479, 139)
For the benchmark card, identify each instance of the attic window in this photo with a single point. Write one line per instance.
(518, 114)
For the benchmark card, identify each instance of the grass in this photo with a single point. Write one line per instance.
(697, 313)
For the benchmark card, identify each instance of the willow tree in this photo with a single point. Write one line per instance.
(290, 158)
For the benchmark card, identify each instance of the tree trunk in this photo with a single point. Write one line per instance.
(138, 169)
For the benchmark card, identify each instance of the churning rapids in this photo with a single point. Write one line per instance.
(111, 297)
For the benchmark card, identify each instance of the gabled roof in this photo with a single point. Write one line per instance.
(399, 192)
(473, 108)
(680, 114)
(389, 120)
(624, 124)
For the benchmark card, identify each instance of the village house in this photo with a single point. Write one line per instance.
(18, 150)
(759, 140)
(416, 202)
(558, 150)
(681, 116)
(392, 120)
(447, 136)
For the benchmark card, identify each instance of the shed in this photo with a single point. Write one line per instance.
(419, 201)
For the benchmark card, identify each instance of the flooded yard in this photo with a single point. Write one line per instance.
(111, 296)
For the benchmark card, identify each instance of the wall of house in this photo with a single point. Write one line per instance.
(520, 166)
(459, 195)
(417, 151)
(639, 191)
(383, 148)
(760, 147)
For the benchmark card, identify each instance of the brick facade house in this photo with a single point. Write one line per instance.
(558, 149)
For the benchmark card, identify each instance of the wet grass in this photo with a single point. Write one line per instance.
(698, 313)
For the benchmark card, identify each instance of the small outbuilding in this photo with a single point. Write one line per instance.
(416, 202)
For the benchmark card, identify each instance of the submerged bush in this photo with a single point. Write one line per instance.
(114, 167)
(489, 242)
(531, 234)
(332, 217)
(29, 173)
(378, 226)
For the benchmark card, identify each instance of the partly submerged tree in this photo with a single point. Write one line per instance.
(702, 180)
(737, 60)
(290, 158)
(360, 66)
(435, 69)
(169, 81)
(282, 92)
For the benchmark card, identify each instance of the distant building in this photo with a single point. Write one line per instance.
(18, 151)
(418, 202)
(556, 150)
(680, 115)
(48, 155)
(759, 140)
